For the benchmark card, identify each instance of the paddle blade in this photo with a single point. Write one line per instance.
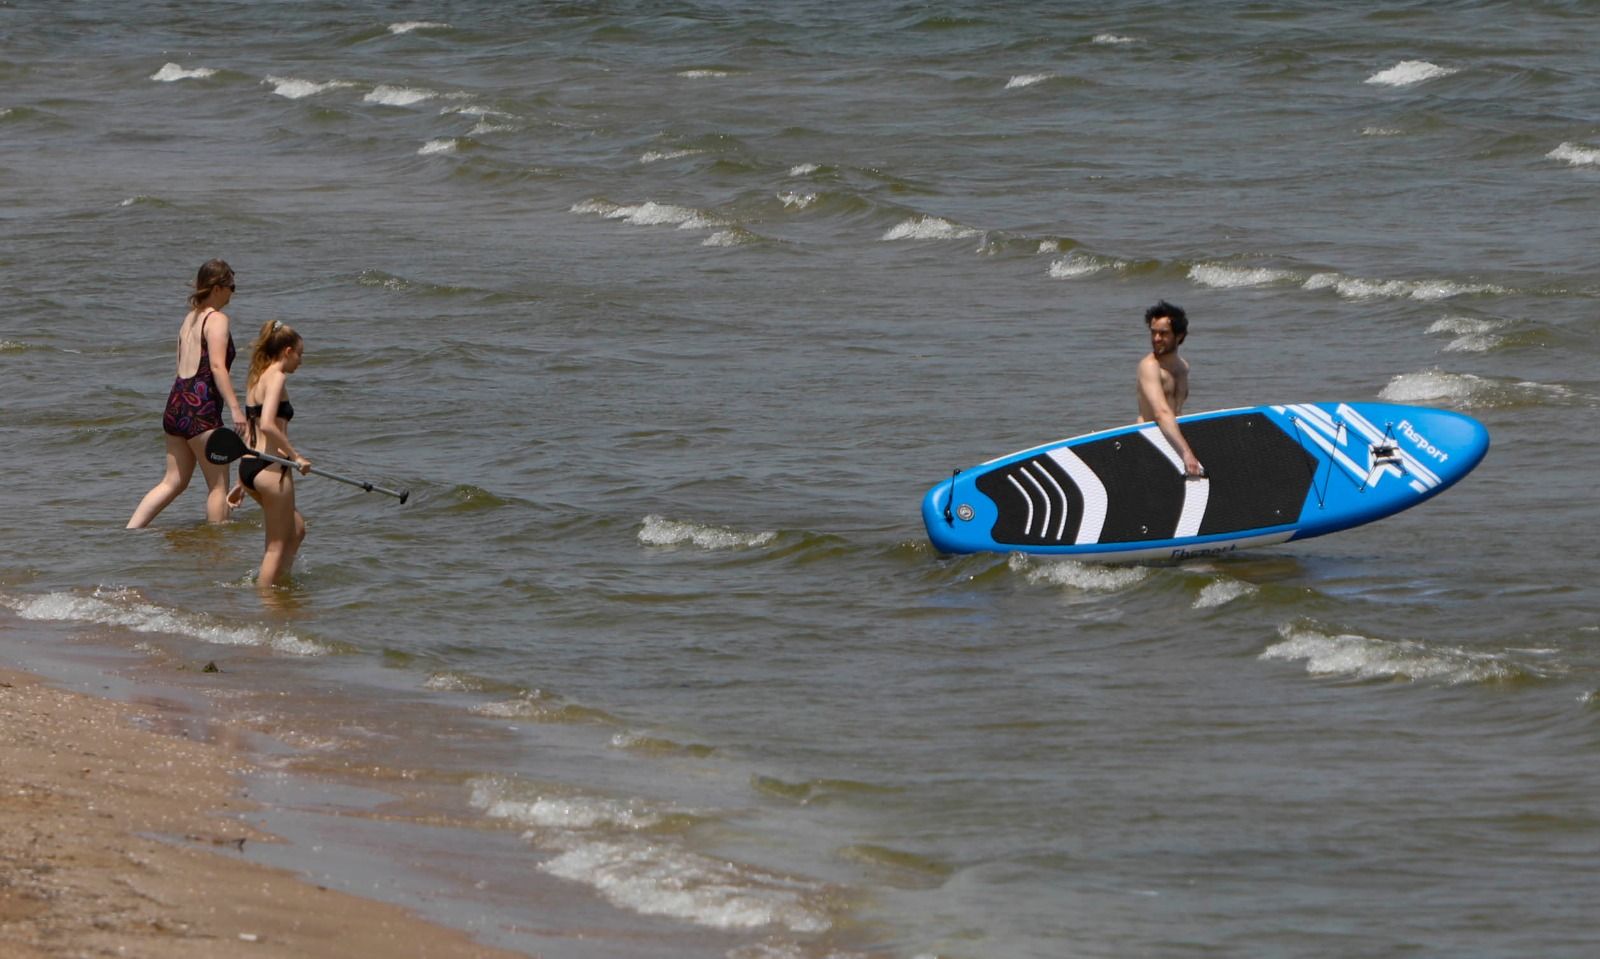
(225, 446)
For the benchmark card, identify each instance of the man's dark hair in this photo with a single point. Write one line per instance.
(1180, 319)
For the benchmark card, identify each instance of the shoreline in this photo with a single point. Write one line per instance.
(122, 837)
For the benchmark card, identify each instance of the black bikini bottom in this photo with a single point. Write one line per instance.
(250, 466)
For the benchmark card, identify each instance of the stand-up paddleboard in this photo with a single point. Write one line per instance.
(1273, 474)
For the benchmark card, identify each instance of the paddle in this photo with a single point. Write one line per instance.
(225, 446)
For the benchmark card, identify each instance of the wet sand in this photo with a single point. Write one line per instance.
(120, 838)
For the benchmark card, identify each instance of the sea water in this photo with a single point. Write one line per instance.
(668, 314)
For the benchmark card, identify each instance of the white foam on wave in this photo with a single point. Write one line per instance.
(296, 89)
(649, 213)
(930, 228)
(1076, 265)
(1465, 389)
(1027, 80)
(1407, 72)
(1576, 155)
(595, 841)
(1365, 657)
(734, 237)
(659, 531)
(125, 608)
(1235, 277)
(1356, 288)
(656, 156)
(804, 169)
(171, 73)
(655, 879)
(1112, 39)
(1080, 576)
(797, 201)
(1381, 132)
(1472, 335)
(703, 74)
(410, 26)
(501, 798)
(435, 147)
(389, 96)
(1223, 591)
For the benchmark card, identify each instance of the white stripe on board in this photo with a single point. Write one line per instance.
(1061, 525)
(1027, 528)
(1196, 492)
(1094, 493)
(1044, 524)
(1416, 466)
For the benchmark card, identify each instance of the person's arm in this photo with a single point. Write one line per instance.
(1161, 411)
(217, 349)
(273, 439)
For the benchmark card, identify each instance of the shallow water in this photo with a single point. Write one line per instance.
(669, 314)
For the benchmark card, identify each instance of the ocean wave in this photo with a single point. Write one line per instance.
(1576, 155)
(171, 73)
(1223, 591)
(1112, 39)
(1080, 576)
(656, 156)
(1235, 277)
(1407, 72)
(1473, 392)
(541, 707)
(1027, 80)
(1472, 335)
(796, 201)
(501, 798)
(436, 147)
(930, 228)
(736, 236)
(659, 531)
(126, 608)
(597, 842)
(411, 26)
(1356, 288)
(1367, 658)
(1076, 265)
(385, 95)
(294, 89)
(657, 746)
(704, 74)
(649, 213)
(1381, 132)
(804, 169)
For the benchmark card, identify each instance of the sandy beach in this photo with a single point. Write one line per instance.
(119, 837)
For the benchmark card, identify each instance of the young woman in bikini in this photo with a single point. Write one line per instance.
(277, 353)
(194, 405)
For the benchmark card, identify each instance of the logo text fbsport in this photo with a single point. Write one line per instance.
(1422, 441)
(1182, 553)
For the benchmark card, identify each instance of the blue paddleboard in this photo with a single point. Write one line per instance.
(1273, 474)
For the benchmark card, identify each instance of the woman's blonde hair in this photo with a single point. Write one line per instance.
(213, 273)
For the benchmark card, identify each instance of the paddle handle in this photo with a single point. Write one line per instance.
(400, 495)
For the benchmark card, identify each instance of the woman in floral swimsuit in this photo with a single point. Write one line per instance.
(194, 406)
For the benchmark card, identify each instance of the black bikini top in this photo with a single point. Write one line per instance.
(285, 411)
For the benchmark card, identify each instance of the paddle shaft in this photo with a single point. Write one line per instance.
(369, 487)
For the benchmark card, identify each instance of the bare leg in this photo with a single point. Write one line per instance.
(285, 529)
(217, 508)
(180, 466)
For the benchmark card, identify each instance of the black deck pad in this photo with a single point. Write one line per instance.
(1144, 494)
(1259, 476)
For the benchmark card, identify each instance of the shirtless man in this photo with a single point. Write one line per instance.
(1164, 379)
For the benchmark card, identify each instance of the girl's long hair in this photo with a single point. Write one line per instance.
(213, 273)
(276, 338)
